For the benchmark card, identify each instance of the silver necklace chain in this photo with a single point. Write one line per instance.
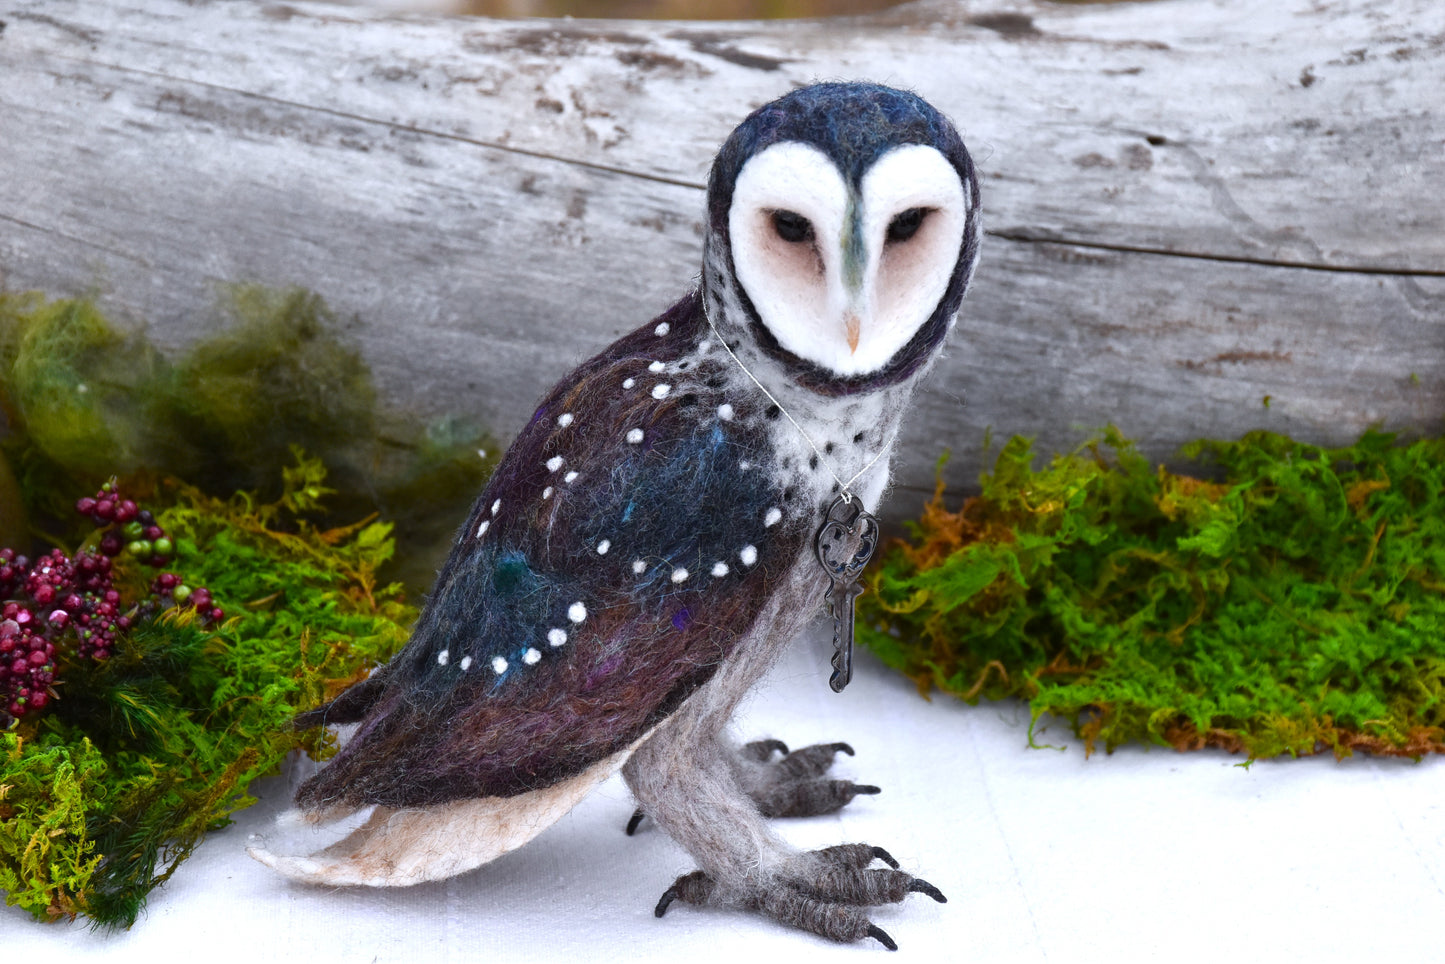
(844, 487)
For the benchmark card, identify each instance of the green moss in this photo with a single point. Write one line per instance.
(1292, 600)
(104, 794)
(46, 791)
(81, 400)
(274, 376)
(71, 374)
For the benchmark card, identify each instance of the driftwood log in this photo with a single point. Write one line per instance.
(1204, 216)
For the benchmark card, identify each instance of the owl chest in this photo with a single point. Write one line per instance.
(829, 448)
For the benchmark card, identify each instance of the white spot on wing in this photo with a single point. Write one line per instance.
(564, 419)
(634, 436)
(749, 555)
(495, 506)
(482, 529)
(531, 656)
(466, 663)
(660, 391)
(547, 492)
(679, 574)
(628, 382)
(661, 329)
(638, 566)
(725, 412)
(773, 517)
(443, 657)
(554, 463)
(656, 366)
(576, 612)
(557, 637)
(704, 346)
(499, 666)
(570, 477)
(603, 546)
(720, 569)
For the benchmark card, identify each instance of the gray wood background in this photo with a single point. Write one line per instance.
(1191, 204)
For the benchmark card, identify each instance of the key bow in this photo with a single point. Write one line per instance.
(846, 525)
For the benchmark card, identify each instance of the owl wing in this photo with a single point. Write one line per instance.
(621, 549)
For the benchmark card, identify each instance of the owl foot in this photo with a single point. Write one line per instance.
(826, 899)
(792, 785)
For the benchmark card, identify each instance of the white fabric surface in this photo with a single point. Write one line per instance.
(1142, 855)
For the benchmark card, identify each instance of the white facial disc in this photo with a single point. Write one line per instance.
(801, 288)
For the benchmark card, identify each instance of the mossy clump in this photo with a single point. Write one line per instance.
(136, 756)
(82, 399)
(1287, 599)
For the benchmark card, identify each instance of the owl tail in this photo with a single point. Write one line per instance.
(401, 847)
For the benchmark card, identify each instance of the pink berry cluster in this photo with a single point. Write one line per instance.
(59, 604)
(168, 585)
(27, 658)
(132, 528)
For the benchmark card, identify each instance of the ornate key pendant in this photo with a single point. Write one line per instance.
(844, 544)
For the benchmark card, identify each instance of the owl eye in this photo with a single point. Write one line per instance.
(792, 227)
(906, 225)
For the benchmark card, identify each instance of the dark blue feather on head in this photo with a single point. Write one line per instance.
(854, 124)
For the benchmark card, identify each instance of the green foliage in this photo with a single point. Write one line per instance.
(275, 376)
(80, 401)
(45, 794)
(144, 753)
(1294, 604)
(108, 791)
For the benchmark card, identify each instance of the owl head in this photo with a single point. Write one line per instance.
(843, 229)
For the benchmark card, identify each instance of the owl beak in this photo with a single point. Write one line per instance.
(852, 326)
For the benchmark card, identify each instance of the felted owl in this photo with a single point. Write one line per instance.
(676, 510)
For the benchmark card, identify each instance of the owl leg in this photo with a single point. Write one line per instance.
(701, 805)
(788, 784)
(685, 776)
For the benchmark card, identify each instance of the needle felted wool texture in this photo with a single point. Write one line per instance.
(855, 136)
(517, 589)
(645, 548)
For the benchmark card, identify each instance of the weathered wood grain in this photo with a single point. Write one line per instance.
(1193, 204)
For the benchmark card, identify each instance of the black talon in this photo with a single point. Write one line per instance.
(880, 854)
(879, 935)
(693, 888)
(633, 824)
(924, 887)
(668, 896)
(866, 789)
(762, 750)
(843, 748)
